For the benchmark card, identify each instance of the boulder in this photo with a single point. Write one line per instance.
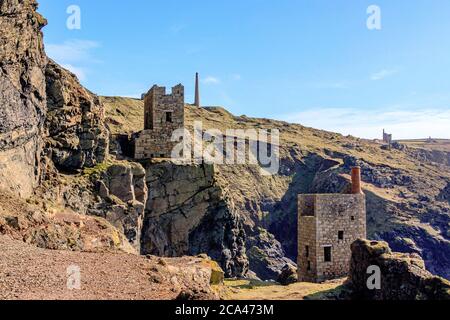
(402, 276)
(288, 275)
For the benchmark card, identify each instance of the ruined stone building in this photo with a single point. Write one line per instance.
(163, 114)
(327, 225)
(387, 138)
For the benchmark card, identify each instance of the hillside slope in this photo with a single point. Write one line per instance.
(407, 195)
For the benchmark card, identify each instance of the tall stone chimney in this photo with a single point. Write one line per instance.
(197, 91)
(356, 180)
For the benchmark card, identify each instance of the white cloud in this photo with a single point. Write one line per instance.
(130, 95)
(211, 80)
(79, 72)
(401, 122)
(380, 75)
(73, 55)
(71, 50)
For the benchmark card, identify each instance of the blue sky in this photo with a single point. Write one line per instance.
(314, 62)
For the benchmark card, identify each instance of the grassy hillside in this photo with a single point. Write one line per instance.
(408, 197)
(428, 144)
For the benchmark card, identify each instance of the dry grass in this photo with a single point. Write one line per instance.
(433, 144)
(125, 115)
(259, 290)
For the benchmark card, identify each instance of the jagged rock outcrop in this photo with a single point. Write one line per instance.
(76, 133)
(444, 195)
(58, 229)
(124, 193)
(22, 95)
(44, 111)
(431, 156)
(43, 105)
(403, 276)
(187, 214)
(266, 255)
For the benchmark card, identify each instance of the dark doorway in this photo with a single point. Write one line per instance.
(327, 254)
(169, 117)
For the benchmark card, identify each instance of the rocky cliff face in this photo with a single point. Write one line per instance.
(47, 119)
(403, 276)
(45, 111)
(22, 95)
(188, 214)
(51, 131)
(76, 134)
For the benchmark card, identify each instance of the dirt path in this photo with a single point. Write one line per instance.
(257, 290)
(28, 272)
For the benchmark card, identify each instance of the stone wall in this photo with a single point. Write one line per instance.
(157, 103)
(307, 253)
(163, 114)
(387, 138)
(187, 214)
(149, 144)
(326, 217)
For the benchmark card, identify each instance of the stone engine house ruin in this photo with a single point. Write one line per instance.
(163, 114)
(327, 225)
(387, 137)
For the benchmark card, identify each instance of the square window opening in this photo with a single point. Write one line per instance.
(341, 235)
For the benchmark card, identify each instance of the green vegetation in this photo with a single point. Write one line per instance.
(98, 169)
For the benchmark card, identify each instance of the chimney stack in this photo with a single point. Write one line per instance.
(197, 91)
(356, 180)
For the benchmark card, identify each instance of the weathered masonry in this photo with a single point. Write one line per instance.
(163, 114)
(327, 225)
